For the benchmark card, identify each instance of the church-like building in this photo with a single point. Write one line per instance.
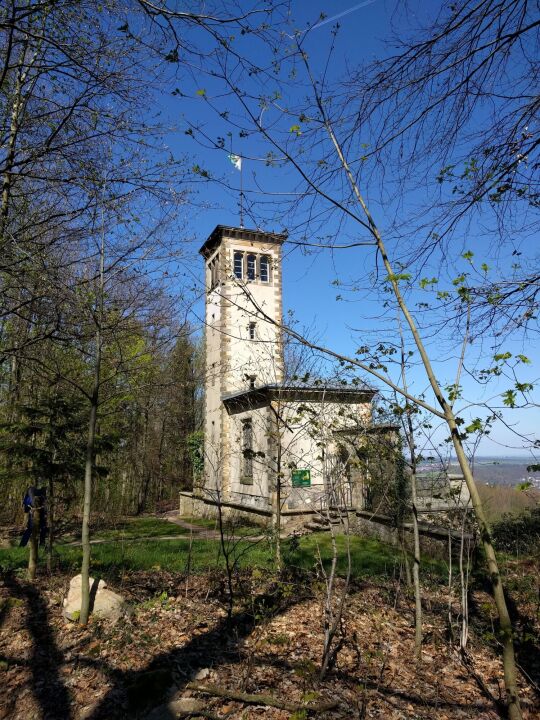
(269, 443)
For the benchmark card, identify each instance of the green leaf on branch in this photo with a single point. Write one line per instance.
(399, 276)
(475, 426)
(424, 282)
(509, 398)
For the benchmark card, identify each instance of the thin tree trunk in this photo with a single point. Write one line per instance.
(90, 444)
(414, 503)
(275, 435)
(450, 580)
(85, 535)
(506, 630)
(11, 146)
(464, 579)
(34, 543)
(50, 507)
(416, 572)
(277, 508)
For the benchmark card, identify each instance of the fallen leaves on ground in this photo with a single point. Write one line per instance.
(177, 632)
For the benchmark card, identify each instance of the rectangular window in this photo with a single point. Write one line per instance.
(251, 267)
(252, 330)
(265, 268)
(238, 265)
(247, 451)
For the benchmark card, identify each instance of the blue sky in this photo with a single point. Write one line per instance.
(317, 283)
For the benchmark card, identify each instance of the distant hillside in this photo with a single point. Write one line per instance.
(502, 471)
(499, 500)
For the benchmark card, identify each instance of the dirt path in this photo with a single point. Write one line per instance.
(200, 532)
(195, 532)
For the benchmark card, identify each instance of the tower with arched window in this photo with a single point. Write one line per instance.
(276, 449)
(268, 444)
(244, 351)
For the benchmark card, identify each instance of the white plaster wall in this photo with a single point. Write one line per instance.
(303, 436)
(261, 357)
(232, 358)
(257, 493)
(307, 439)
(213, 405)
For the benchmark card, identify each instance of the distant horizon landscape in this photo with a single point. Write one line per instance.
(495, 470)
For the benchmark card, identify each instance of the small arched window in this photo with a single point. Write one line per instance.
(265, 268)
(247, 451)
(251, 267)
(238, 265)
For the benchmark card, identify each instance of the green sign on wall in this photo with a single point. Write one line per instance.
(301, 478)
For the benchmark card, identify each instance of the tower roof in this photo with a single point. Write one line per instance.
(221, 231)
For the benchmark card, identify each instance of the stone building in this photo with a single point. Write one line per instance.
(273, 446)
(267, 443)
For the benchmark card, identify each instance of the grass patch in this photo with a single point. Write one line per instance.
(115, 558)
(139, 527)
(370, 558)
(240, 527)
(207, 523)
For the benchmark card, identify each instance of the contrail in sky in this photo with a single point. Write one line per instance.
(342, 14)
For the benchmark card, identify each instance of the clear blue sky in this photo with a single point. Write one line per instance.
(311, 280)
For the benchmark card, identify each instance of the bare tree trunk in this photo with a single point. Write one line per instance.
(506, 630)
(12, 143)
(409, 432)
(464, 578)
(275, 435)
(450, 621)
(34, 543)
(277, 510)
(333, 609)
(85, 535)
(416, 572)
(50, 544)
(90, 445)
(225, 549)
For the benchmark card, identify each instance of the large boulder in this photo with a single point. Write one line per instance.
(104, 603)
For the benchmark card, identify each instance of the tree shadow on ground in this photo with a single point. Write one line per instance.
(527, 643)
(526, 639)
(46, 660)
(386, 690)
(134, 694)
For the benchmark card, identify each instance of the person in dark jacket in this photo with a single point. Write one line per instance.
(34, 499)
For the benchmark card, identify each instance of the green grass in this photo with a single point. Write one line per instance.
(139, 527)
(117, 557)
(369, 557)
(207, 523)
(240, 527)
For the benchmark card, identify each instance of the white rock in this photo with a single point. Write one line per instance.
(103, 602)
(180, 706)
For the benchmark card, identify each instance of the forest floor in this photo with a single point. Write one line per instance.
(176, 639)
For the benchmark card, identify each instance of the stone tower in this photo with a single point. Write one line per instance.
(243, 344)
